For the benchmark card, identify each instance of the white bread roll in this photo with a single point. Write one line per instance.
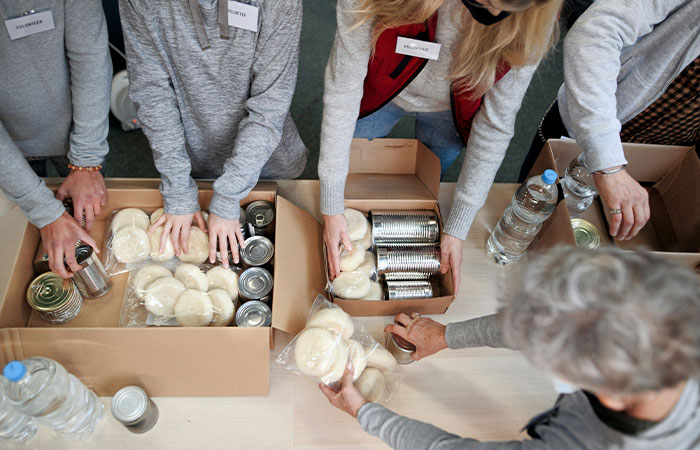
(380, 358)
(147, 275)
(223, 308)
(357, 224)
(222, 278)
(369, 265)
(350, 260)
(130, 217)
(194, 309)
(155, 215)
(375, 292)
(338, 368)
(131, 245)
(199, 247)
(156, 255)
(315, 351)
(192, 277)
(160, 296)
(372, 385)
(333, 319)
(351, 285)
(356, 354)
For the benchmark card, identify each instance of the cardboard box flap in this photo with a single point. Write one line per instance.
(16, 233)
(392, 168)
(675, 208)
(299, 249)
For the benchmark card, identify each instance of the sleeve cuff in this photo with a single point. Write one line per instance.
(40, 206)
(603, 152)
(449, 335)
(460, 219)
(93, 160)
(225, 207)
(182, 203)
(332, 196)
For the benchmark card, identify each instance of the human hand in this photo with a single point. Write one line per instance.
(59, 239)
(427, 335)
(451, 249)
(335, 233)
(228, 233)
(177, 228)
(620, 191)
(88, 192)
(347, 398)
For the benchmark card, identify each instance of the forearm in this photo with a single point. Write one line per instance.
(402, 433)
(90, 77)
(482, 331)
(343, 90)
(490, 136)
(24, 187)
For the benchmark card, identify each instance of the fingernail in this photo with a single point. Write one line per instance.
(349, 365)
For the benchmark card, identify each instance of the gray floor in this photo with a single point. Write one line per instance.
(130, 155)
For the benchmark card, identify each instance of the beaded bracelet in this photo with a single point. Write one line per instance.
(85, 169)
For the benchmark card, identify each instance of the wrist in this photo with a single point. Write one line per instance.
(76, 168)
(610, 170)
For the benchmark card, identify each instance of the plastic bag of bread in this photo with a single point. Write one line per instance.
(331, 339)
(130, 244)
(190, 295)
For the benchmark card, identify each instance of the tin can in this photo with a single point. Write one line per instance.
(261, 216)
(404, 227)
(400, 348)
(405, 276)
(421, 259)
(402, 290)
(92, 280)
(134, 409)
(257, 251)
(255, 284)
(254, 314)
(243, 224)
(585, 233)
(55, 299)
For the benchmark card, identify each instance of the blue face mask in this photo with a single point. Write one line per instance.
(562, 387)
(482, 15)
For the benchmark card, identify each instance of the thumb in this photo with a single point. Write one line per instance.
(61, 193)
(348, 374)
(444, 261)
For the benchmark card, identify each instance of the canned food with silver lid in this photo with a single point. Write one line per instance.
(421, 259)
(257, 251)
(255, 284)
(402, 290)
(55, 300)
(92, 280)
(261, 216)
(134, 409)
(420, 226)
(400, 348)
(254, 314)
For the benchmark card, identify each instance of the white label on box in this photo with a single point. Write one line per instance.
(30, 24)
(414, 47)
(243, 16)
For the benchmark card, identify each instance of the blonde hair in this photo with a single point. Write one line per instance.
(521, 39)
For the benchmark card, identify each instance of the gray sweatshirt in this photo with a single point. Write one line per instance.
(218, 113)
(571, 424)
(54, 98)
(619, 57)
(491, 131)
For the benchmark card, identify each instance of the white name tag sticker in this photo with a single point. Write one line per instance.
(30, 24)
(414, 47)
(242, 16)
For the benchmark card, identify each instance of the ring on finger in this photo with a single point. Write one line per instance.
(615, 211)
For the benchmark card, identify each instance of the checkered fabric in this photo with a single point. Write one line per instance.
(673, 118)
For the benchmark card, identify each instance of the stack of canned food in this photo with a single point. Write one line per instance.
(408, 252)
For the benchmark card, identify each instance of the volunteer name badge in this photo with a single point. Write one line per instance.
(242, 16)
(30, 24)
(414, 47)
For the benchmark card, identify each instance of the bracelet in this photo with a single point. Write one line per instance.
(85, 169)
(610, 171)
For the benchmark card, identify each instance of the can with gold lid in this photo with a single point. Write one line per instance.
(55, 300)
(585, 233)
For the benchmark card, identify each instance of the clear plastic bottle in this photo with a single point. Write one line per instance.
(578, 186)
(532, 204)
(14, 426)
(42, 388)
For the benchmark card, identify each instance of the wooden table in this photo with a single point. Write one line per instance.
(487, 394)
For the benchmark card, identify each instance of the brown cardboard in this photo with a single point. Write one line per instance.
(165, 361)
(674, 228)
(394, 174)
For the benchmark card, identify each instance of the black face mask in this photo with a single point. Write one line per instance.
(482, 15)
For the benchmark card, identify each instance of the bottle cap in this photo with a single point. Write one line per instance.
(549, 176)
(14, 371)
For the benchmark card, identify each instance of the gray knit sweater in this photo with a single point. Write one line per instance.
(491, 131)
(574, 424)
(218, 113)
(619, 57)
(54, 98)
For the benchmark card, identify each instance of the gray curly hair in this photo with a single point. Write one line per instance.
(606, 319)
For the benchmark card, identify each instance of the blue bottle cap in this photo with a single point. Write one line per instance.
(14, 371)
(549, 176)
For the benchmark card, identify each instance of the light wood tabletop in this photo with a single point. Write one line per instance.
(487, 394)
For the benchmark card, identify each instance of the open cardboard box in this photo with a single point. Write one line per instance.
(394, 174)
(166, 361)
(672, 176)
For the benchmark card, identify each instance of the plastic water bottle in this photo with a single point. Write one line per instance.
(14, 426)
(41, 387)
(532, 204)
(578, 186)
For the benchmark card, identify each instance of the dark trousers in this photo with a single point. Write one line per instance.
(551, 127)
(59, 162)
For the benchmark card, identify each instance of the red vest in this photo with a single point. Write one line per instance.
(389, 73)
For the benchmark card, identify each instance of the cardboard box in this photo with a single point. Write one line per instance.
(173, 361)
(394, 174)
(672, 176)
